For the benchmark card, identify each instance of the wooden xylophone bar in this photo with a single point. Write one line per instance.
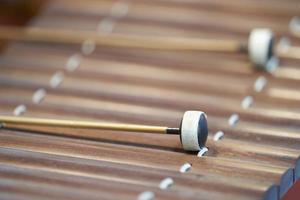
(253, 116)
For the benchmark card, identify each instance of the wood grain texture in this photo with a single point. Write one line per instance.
(149, 87)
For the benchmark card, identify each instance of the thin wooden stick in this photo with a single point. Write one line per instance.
(119, 40)
(81, 124)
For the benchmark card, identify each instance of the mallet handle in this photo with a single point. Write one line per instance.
(80, 124)
(119, 40)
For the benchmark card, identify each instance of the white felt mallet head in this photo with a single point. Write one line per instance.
(193, 130)
(260, 47)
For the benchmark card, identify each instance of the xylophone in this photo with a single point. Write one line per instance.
(86, 82)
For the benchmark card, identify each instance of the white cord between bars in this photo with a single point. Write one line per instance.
(247, 102)
(260, 84)
(147, 195)
(88, 47)
(233, 120)
(272, 64)
(166, 183)
(119, 9)
(294, 24)
(38, 96)
(20, 110)
(106, 25)
(73, 62)
(57, 79)
(218, 135)
(284, 44)
(185, 167)
(202, 151)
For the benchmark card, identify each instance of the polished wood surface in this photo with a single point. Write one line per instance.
(148, 87)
